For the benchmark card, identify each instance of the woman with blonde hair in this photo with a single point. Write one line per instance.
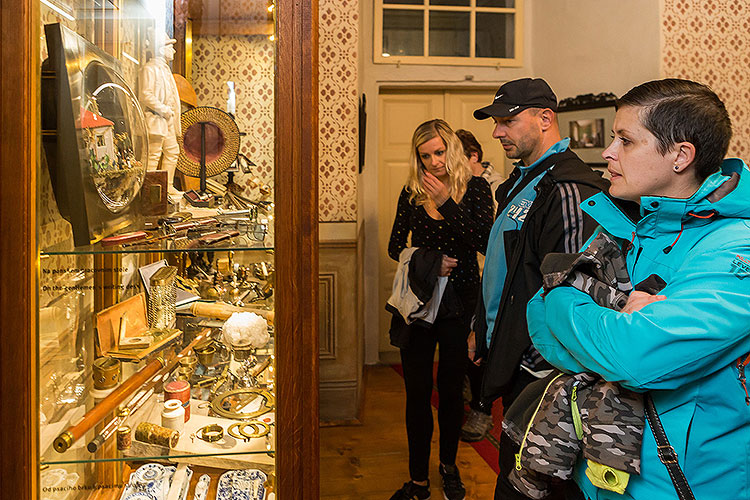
(449, 214)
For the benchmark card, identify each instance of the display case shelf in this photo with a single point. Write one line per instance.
(234, 244)
(46, 463)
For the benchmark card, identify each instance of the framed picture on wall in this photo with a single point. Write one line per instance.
(589, 130)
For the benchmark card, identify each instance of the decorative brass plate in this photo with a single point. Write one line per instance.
(222, 141)
(229, 404)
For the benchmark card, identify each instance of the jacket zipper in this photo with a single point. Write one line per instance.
(531, 421)
(577, 425)
(514, 260)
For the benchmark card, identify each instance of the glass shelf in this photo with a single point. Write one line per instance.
(238, 243)
(139, 458)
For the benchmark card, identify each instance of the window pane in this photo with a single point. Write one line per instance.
(495, 35)
(496, 3)
(462, 3)
(403, 32)
(404, 2)
(449, 34)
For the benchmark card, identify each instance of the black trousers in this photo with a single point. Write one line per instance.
(504, 490)
(417, 361)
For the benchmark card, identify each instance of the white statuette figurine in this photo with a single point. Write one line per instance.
(161, 104)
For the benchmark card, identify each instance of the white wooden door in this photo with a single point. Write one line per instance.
(399, 113)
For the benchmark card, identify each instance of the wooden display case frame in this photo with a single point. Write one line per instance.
(296, 254)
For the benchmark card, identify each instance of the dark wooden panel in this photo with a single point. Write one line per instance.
(327, 310)
(297, 249)
(19, 46)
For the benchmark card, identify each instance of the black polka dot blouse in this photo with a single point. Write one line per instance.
(462, 233)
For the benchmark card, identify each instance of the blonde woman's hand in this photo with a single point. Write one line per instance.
(638, 300)
(447, 265)
(435, 189)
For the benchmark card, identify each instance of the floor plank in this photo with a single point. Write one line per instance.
(370, 461)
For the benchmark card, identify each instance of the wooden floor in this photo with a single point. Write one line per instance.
(370, 461)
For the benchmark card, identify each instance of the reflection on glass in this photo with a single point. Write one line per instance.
(404, 2)
(225, 253)
(462, 3)
(496, 3)
(449, 34)
(494, 36)
(403, 33)
(115, 146)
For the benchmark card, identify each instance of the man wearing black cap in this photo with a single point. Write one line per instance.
(538, 212)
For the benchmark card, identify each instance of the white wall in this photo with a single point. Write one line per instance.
(578, 46)
(583, 46)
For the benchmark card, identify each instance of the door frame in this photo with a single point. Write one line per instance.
(19, 153)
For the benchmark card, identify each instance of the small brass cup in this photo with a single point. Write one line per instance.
(206, 355)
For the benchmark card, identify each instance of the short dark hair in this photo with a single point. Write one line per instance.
(676, 110)
(470, 143)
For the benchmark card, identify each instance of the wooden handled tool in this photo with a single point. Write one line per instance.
(219, 310)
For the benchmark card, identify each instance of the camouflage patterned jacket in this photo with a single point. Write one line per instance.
(562, 417)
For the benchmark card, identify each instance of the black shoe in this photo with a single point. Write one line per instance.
(453, 488)
(411, 491)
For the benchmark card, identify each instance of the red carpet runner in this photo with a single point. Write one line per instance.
(486, 448)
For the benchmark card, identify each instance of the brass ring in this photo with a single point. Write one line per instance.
(210, 433)
(189, 362)
(234, 431)
(261, 429)
(238, 430)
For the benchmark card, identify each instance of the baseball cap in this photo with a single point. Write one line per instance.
(515, 96)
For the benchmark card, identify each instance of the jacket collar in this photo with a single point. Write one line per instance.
(662, 215)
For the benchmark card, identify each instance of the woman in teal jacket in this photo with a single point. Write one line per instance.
(683, 345)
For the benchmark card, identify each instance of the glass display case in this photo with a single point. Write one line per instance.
(173, 349)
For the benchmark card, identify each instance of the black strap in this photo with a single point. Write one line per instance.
(666, 452)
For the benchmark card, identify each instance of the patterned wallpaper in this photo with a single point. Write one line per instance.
(708, 41)
(248, 61)
(338, 118)
(232, 10)
(225, 11)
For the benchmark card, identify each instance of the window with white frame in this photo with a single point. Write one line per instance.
(458, 32)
